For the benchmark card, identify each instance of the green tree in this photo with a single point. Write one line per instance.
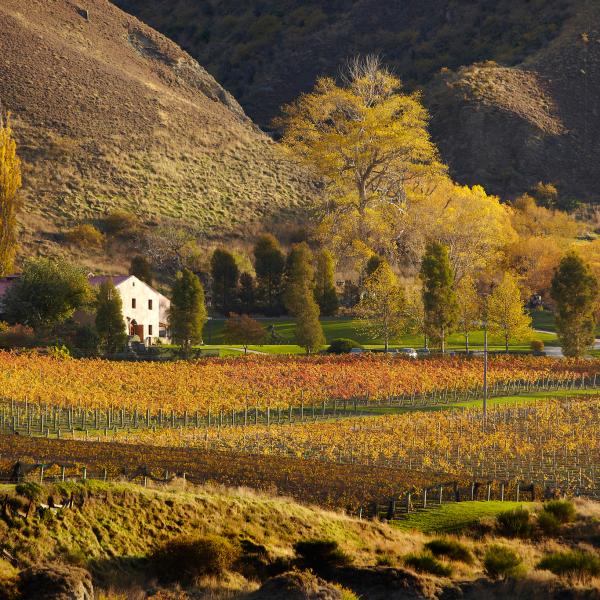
(247, 292)
(325, 292)
(309, 332)
(10, 182)
(468, 307)
(575, 291)
(383, 305)
(46, 294)
(299, 297)
(187, 315)
(225, 274)
(439, 298)
(140, 267)
(244, 330)
(109, 318)
(506, 315)
(269, 263)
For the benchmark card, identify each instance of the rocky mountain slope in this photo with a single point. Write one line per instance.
(538, 121)
(530, 115)
(110, 114)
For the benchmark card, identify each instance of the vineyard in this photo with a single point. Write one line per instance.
(275, 382)
(340, 431)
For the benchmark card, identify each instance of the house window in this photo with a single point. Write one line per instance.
(150, 327)
(133, 303)
(149, 304)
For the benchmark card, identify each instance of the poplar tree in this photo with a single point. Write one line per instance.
(187, 315)
(383, 305)
(10, 182)
(506, 313)
(225, 274)
(439, 298)
(109, 318)
(575, 291)
(325, 292)
(299, 297)
(269, 263)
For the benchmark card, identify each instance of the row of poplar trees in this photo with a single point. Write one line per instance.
(302, 283)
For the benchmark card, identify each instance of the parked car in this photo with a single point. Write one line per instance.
(408, 353)
(423, 352)
(358, 351)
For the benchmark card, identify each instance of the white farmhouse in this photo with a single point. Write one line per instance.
(145, 310)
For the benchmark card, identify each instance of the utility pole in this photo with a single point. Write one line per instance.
(485, 364)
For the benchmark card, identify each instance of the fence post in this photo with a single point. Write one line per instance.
(441, 493)
(62, 473)
(489, 491)
(425, 498)
(502, 492)
(84, 473)
(41, 474)
(518, 490)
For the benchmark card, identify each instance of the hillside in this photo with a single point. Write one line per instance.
(108, 113)
(512, 127)
(531, 116)
(103, 538)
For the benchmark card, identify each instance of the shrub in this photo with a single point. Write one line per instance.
(548, 523)
(119, 222)
(563, 510)
(537, 346)
(574, 564)
(17, 336)
(450, 549)
(321, 555)
(85, 235)
(514, 523)
(501, 562)
(425, 562)
(30, 490)
(385, 560)
(342, 346)
(188, 558)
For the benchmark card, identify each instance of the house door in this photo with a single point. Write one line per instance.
(139, 331)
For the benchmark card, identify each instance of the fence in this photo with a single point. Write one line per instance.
(396, 507)
(30, 418)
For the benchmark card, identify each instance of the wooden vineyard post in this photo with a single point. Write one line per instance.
(62, 473)
(41, 474)
(391, 509)
(518, 490)
(441, 494)
(408, 502)
(84, 474)
(502, 492)
(425, 498)
(489, 491)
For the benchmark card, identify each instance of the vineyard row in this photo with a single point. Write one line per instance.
(31, 418)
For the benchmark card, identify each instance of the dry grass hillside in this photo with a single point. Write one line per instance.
(110, 114)
(510, 127)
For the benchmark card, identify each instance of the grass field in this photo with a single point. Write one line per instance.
(454, 517)
(334, 327)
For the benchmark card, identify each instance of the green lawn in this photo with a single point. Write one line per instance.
(543, 319)
(455, 516)
(494, 401)
(334, 327)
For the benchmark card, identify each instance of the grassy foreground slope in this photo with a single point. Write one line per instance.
(113, 530)
(110, 114)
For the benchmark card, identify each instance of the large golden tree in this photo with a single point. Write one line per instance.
(10, 182)
(368, 142)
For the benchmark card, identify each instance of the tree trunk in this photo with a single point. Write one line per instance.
(467, 343)
(443, 340)
(506, 343)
